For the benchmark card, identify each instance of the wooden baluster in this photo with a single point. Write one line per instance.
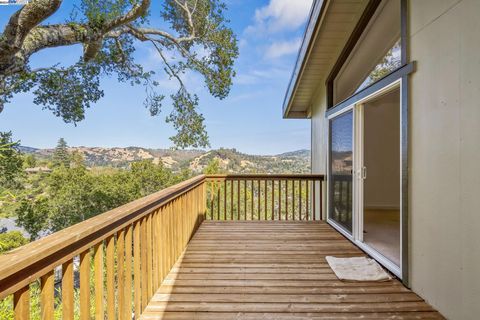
(245, 199)
(183, 219)
(225, 199)
(273, 199)
(300, 199)
(121, 273)
(258, 199)
(212, 190)
(279, 199)
(314, 199)
(110, 277)
(175, 212)
(84, 285)
(128, 274)
(170, 236)
(47, 297)
(155, 251)
(265, 198)
(307, 203)
(160, 246)
(293, 199)
(137, 272)
(320, 191)
(251, 202)
(238, 199)
(218, 200)
(67, 290)
(286, 199)
(231, 199)
(98, 262)
(163, 254)
(148, 248)
(21, 303)
(144, 264)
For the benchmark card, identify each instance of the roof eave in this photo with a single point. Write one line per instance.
(316, 12)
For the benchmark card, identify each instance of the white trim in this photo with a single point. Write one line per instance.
(358, 157)
(339, 112)
(391, 266)
(390, 87)
(337, 226)
(340, 229)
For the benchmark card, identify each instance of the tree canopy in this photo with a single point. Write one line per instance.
(61, 157)
(197, 38)
(11, 162)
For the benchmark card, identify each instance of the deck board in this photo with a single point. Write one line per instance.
(274, 270)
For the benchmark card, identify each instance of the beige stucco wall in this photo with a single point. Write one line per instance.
(445, 155)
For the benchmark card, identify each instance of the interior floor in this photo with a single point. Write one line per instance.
(382, 232)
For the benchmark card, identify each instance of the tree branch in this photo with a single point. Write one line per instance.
(92, 48)
(21, 23)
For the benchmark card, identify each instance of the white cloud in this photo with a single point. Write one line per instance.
(283, 48)
(281, 15)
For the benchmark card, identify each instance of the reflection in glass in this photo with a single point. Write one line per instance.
(390, 62)
(341, 162)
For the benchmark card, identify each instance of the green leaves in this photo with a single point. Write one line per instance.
(11, 240)
(188, 123)
(196, 38)
(11, 162)
(61, 157)
(71, 195)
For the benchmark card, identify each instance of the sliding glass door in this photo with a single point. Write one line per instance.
(341, 171)
(365, 175)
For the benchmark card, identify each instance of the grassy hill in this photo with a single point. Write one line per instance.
(230, 160)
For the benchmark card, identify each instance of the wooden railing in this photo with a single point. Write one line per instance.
(109, 265)
(264, 197)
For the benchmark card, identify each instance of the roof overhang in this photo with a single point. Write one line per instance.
(330, 25)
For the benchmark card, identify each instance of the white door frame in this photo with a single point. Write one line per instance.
(358, 186)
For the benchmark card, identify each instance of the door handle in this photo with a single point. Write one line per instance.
(364, 173)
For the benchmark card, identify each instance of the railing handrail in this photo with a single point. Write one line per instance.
(256, 176)
(23, 265)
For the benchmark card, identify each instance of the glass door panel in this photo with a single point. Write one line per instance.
(381, 174)
(341, 170)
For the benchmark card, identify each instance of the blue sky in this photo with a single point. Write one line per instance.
(250, 119)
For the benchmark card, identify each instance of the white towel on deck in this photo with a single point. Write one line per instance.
(357, 269)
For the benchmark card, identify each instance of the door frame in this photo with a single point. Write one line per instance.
(337, 226)
(358, 186)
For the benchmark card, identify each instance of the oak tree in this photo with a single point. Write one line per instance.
(197, 38)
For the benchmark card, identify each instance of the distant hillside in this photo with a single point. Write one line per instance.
(230, 160)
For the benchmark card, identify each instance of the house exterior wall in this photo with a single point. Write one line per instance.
(444, 39)
(444, 153)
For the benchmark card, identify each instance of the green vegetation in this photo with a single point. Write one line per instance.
(11, 163)
(45, 192)
(61, 157)
(45, 202)
(11, 240)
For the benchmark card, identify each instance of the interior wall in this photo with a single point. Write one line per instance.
(382, 152)
(444, 173)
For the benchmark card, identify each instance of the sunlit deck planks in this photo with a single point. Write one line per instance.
(274, 270)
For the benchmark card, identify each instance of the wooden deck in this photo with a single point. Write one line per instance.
(274, 270)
